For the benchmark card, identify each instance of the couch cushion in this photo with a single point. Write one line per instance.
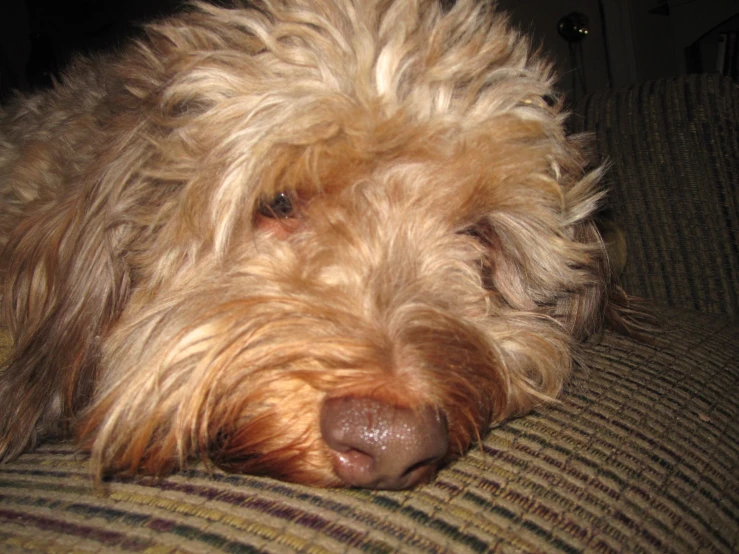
(640, 456)
(673, 146)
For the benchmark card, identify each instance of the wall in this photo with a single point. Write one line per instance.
(639, 42)
(540, 17)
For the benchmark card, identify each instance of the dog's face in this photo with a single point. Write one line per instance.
(346, 238)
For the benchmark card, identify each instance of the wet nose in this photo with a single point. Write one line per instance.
(380, 446)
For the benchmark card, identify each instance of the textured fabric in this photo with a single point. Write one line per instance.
(674, 186)
(641, 456)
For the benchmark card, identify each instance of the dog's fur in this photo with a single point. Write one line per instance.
(253, 212)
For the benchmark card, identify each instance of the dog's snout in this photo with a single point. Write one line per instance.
(381, 446)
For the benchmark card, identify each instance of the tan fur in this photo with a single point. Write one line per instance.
(441, 252)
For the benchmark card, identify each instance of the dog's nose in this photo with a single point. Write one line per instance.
(380, 446)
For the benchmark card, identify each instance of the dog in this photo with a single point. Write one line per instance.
(328, 241)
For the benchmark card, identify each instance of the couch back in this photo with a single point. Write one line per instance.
(673, 146)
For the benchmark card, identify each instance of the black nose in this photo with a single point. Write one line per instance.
(381, 446)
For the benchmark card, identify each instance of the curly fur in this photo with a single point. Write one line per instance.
(440, 252)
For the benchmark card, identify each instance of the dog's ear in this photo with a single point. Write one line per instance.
(62, 285)
(551, 265)
(600, 302)
(582, 309)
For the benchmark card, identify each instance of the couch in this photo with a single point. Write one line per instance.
(640, 455)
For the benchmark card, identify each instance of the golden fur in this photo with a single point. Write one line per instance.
(435, 251)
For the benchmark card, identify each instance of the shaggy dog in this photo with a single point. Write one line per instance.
(330, 241)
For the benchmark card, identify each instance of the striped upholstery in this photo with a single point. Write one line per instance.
(640, 456)
(674, 186)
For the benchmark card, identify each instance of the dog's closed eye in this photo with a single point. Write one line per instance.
(482, 231)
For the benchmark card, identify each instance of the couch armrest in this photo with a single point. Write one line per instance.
(673, 146)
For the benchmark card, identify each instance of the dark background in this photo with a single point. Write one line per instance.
(628, 41)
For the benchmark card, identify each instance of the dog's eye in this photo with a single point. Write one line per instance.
(481, 231)
(281, 206)
(470, 232)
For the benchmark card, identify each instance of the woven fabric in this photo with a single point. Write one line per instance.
(640, 456)
(673, 146)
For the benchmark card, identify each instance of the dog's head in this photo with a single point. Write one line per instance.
(353, 233)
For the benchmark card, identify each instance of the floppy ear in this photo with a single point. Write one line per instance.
(602, 302)
(582, 310)
(62, 286)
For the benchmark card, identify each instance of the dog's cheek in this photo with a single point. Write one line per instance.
(264, 429)
(232, 403)
(484, 370)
